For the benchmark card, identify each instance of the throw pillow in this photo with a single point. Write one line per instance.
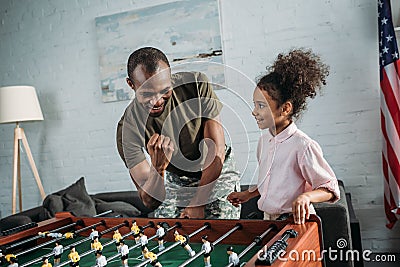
(77, 200)
(53, 203)
(74, 199)
(118, 207)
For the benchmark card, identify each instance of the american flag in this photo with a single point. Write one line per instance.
(390, 111)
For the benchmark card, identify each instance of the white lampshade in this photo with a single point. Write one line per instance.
(19, 103)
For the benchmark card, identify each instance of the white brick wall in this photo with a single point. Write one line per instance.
(52, 45)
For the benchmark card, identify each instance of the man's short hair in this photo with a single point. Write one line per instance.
(148, 57)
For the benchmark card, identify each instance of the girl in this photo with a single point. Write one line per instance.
(292, 170)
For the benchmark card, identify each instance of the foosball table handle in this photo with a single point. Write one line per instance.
(268, 257)
(19, 228)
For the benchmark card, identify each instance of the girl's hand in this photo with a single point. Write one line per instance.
(237, 198)
(301, 208)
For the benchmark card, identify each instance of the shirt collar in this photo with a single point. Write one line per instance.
(286, 133)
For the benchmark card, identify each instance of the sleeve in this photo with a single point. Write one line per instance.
(210, 104)
(119, 139)
(132, 139)
(317, 172)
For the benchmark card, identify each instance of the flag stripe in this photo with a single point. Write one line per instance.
(390, 170)
(391, 74)
(388, 130)
(390, 111)
(390, 100)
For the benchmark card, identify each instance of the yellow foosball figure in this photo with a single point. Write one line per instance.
(46, 263)
(150, 255)
(136, 230)
(96, 245)
(74, 257)
(184, 243)
(117, 237)
(69, 235)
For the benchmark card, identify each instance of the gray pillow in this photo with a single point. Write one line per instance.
(118, 207)
(53, 204)
(74, 198)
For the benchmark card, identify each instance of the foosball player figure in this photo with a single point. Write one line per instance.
(233, 257)
(12, 260)
(143, 239)
(74, 257)
(160, 234)
(153, 257)
(69, 235)
(207, 250)
(94, 233)
(124, 250)
(48, 234)
(117, 237)
(57, 251)
(101, 260)
(96, 245)
(184, 243)
(45, 262)
(136, 230)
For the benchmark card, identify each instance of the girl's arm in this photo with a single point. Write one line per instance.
(237, 198)
(301, 205)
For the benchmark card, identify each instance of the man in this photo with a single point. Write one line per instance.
(233, 257)
(124, 250)
(57, 251)
(101, 260)
(175, 118)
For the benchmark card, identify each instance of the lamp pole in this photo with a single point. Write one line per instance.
(19, 135)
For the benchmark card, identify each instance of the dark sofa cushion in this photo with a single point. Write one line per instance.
(74, 199)
(14, 221)
(119, 208)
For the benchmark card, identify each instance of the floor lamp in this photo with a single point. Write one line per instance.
(17, 104)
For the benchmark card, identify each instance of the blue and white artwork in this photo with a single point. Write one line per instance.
(186, 31)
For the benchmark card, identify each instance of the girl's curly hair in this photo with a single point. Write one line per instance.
(294, 77)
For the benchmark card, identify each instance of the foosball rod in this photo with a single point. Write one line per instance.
(234, 229)
(257, 241)
(144, 263)
(150, 224)
(102, 222)
(177, 225)
(84, 254)
(78, 222)
(57, 239)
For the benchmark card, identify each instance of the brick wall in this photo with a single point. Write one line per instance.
(52, 45)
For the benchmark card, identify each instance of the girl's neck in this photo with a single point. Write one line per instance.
(279, 127)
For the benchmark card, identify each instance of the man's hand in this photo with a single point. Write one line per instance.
(160, 149)
(193, 212)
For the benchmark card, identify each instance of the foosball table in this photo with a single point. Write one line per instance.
(254, 242)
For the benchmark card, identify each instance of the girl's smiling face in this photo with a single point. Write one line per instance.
(268, 113)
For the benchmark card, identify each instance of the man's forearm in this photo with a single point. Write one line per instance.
(151, 190)
(207, 182)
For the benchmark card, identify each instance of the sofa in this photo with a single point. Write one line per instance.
(76, 200)
(338, 220)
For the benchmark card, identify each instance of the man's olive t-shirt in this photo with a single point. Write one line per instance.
(193, 101)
